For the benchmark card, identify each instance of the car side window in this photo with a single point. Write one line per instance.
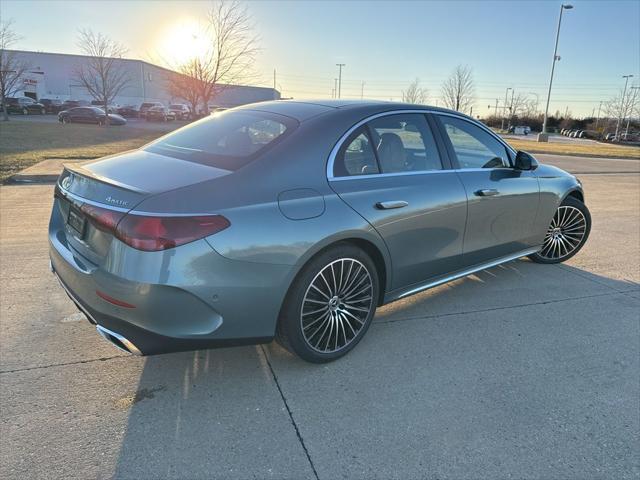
(356, 156)
(474, 147)
(404, 143)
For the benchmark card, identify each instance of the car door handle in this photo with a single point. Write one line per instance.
(487, 192)
(391, 204)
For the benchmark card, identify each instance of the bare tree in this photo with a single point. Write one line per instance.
(103, 74)
(415, 93)
(12, 66)
(458, 89)
(185, 83)
(621, 107)
(229, 59)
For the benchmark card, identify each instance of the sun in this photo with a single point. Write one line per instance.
(183, 41)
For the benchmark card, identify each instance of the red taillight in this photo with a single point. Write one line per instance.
(160, 233)
(151, 233)
(102, 218)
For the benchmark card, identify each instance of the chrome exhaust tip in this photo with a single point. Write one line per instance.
(117, 340)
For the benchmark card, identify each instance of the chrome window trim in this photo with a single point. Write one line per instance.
(336, 148)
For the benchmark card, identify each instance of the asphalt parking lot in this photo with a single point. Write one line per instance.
(523, 370)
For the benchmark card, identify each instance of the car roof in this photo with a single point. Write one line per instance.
(303, 110)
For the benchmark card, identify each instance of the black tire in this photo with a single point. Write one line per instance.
(545, 255)
(289, 332)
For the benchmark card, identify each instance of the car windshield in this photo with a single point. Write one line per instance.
(228, 140)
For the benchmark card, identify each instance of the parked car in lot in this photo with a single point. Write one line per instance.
(128, 111)
(159, 114)
(180, 111)
(24, 106)
(89, 115)
(296, 220)
(68, 104)
(144, 107)
(110, 108)
(51, 105)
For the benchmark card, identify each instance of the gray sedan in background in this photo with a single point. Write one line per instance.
(295, 220)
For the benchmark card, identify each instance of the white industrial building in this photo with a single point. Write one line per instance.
(51, 75)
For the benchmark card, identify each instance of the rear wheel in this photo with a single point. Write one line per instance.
(330, 305)
(567, 233)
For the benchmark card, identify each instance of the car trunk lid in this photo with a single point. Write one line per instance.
(93, 194)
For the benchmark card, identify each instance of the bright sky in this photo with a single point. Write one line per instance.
(385, 44)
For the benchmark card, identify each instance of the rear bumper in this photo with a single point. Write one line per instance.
(186, 298)
(138, 341)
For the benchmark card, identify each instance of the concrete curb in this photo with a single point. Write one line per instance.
(19, 179)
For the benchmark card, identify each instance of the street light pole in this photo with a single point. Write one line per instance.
(504, 111)
(340, 65)
(622, 105)
(544, 137)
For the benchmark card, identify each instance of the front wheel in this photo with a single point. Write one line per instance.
(567, 233)
(330, 305)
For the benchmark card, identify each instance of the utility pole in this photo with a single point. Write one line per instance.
(544, 137)
(362, 91)
(598, 117)
(622, 104)
(340, 65)
(504, 111)
(335, 88)
(566, 111)
(511, 108)
(537, 101)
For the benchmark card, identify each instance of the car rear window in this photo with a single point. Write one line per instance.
(226, 140)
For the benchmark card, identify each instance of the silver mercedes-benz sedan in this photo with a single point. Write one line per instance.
(295, 220)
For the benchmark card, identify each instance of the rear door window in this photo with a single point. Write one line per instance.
(356, 156)
(227, 140)
(404, 143)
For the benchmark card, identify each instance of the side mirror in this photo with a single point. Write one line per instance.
(525, 161)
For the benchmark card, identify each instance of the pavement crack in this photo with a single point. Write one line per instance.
(492, 309)
(293, 422)
(79, 362)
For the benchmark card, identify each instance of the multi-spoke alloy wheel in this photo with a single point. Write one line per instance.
(330, 304)
(566, 234)
(336, 305)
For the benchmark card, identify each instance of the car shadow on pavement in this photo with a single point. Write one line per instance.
(232, 413)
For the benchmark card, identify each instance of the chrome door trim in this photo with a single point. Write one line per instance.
(401, 293)
(343, 138)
